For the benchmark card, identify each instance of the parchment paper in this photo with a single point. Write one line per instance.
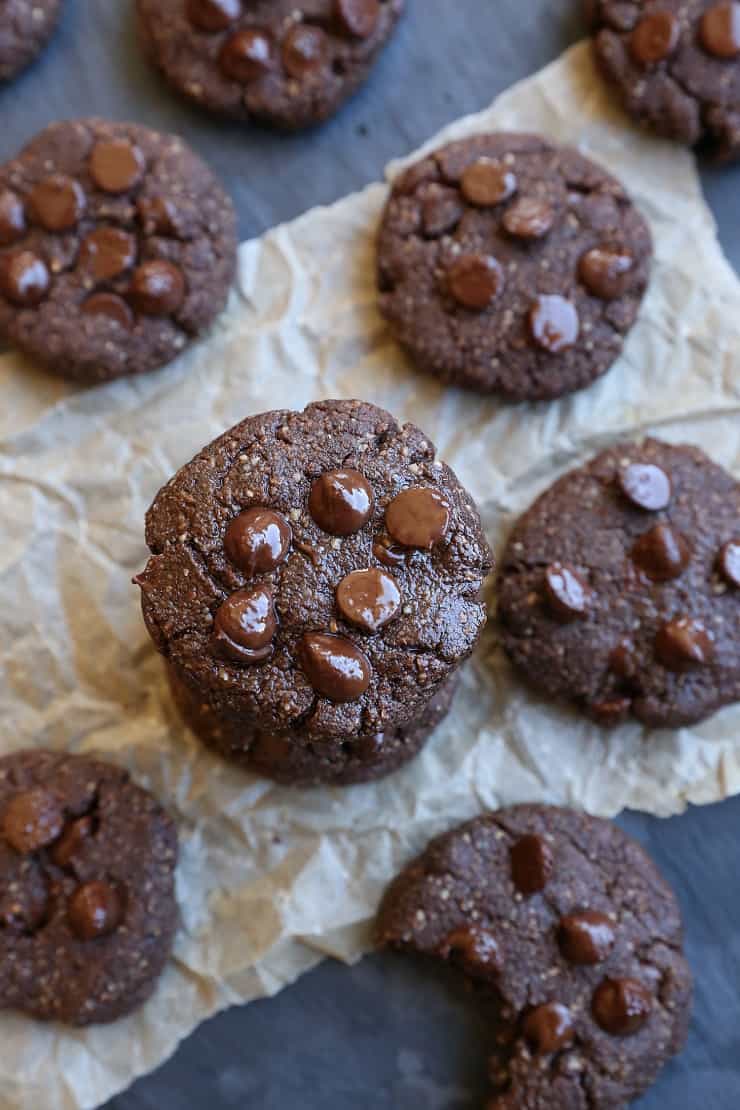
(271, 879)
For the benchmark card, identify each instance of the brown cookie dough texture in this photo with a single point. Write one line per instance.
(87, 906)
(286, 63)
(315, 583)
(619, 589)
(676, 65)
(563, 924)
(25, 28)
(117, 249)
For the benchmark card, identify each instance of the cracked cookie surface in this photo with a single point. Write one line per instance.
(25, 27)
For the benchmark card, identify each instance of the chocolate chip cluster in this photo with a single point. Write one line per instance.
(657, 35)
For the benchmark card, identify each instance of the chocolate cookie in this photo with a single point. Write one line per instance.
(25, 27)
(117, 248)
(87, 905)
(508, 265)
(676, 64)
(316, 574)
(620, 587)
(288, 63)
(567, 924)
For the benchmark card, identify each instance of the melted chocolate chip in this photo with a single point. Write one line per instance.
(729, 563)
(388, 553)
(684, 643)
(32, 820)
(441, 211)
(107, 252)
(622, 659)
(621, 1006)
(475, 280)
(418, 517)
(111, 306)
(213, 15)
(646, 486)
(12, 218)
(157, 215)
(655, 38)
(475, 949)
(157, 288)
(334, 666)
(719, 30)
(75, 835)
(357, 17)
(587, 937)
(116, 165)
(549, 1028)
(258, 541)
(606, 271)
(567, 594)
(532, 864)
(554, 323)
(248, 55)
(244, 626)
(95, 910)
(341, 502)
(24, 279)
(368, 599)
(529, 218)
(486, 183)
(57, 202)
(305, 50)
(662, 553)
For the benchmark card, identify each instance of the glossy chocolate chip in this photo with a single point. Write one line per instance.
(441, 211)
(475, 949)
(258, 540)
(475, 280)
(529, 218)
(646, 486)
(157, 288)
(486, 183)
(622, 660)
(24, 279)
(12, 218)
(554, 323)
(213, 15)
(248, 55)
(655, 38)
(357, 17)
(157, 215)
(76, 834)
(116, 165)
(606, 271)
(388, 553)
(587, 937)
(684, 643)
(369, 599)
(334, 666)
(107, 252)
(418, 517)
(719, 30)
(621, 1006)
(662, 553)
(94, 910)
(729, 563)
(532, 864)
(32, 820)
(245, 625)
(111, 307)
(341, 502)
(57, 202)
(567, 594)
(305, 49)
(549, 1028)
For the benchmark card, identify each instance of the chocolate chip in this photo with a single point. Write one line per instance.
(655, 38)
(684, 643)
(32, 820)
(244, 626)
(475, 280)
(388, 553)
(213, 15)
(606, 271)
(532, 864)
(357, 17)
(486, 183)
(610, 711)
(646, 486)
(475, 949)
(305, 49)
(95, 910)
(258, 541)
(368, 599)
(549, 1028)
(75, 835)
(341, 502)
(729, 563)
(248, 55)
(441, 210)
(622, 660)
(24, 279)
(157, 215)
(554, 323)
(621, 1006)
(107, 252)
(157, 288)
(334, 666)
(112, 307)
(529, 218)
(116, 165)
(720, 30)
(418, 517)
(662, 553)
(567, 594)
(587, 937)
(12, 218)
(57, 202)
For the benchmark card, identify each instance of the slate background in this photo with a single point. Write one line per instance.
(387, 1034)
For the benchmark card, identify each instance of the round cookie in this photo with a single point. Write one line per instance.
(25, 27)
(87, 904)
(619, 588)
(508, 265)
(316, 573)
(567, 923)
(286, 63)
(676, 65)
(117, 249)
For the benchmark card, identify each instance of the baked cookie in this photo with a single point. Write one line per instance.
(117, 249)
(509, 265)
(25, 27)
(676, 64)
(620, 587)
(568, 925)
(316, 574)
(87, 905)
(287, 63)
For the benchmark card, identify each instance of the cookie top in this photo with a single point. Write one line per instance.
(117, 248)
(87, 906)
(25, 27)
(287, 63)
(572, 927)
(676, 64)
(509, 265)
(317, 571)
(620, 587)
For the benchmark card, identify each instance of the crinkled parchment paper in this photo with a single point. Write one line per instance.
(271, 878)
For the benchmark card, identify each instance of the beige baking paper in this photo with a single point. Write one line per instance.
(272, 879)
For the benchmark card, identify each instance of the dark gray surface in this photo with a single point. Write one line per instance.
(388, 1034)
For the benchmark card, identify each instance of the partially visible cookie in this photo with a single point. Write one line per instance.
(87, 905)
(509, 265)
(117, 249)
(25, 27)
(619, 588)
(676, 65)
(287, 63)
(568, 924)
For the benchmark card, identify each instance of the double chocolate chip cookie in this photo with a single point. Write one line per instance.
(509, 265)
(287, 63)
(117, 249)
(87, 907)
(315, 583)
(676, 64)
(620, 588)
(25, 27)
(566, 923)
